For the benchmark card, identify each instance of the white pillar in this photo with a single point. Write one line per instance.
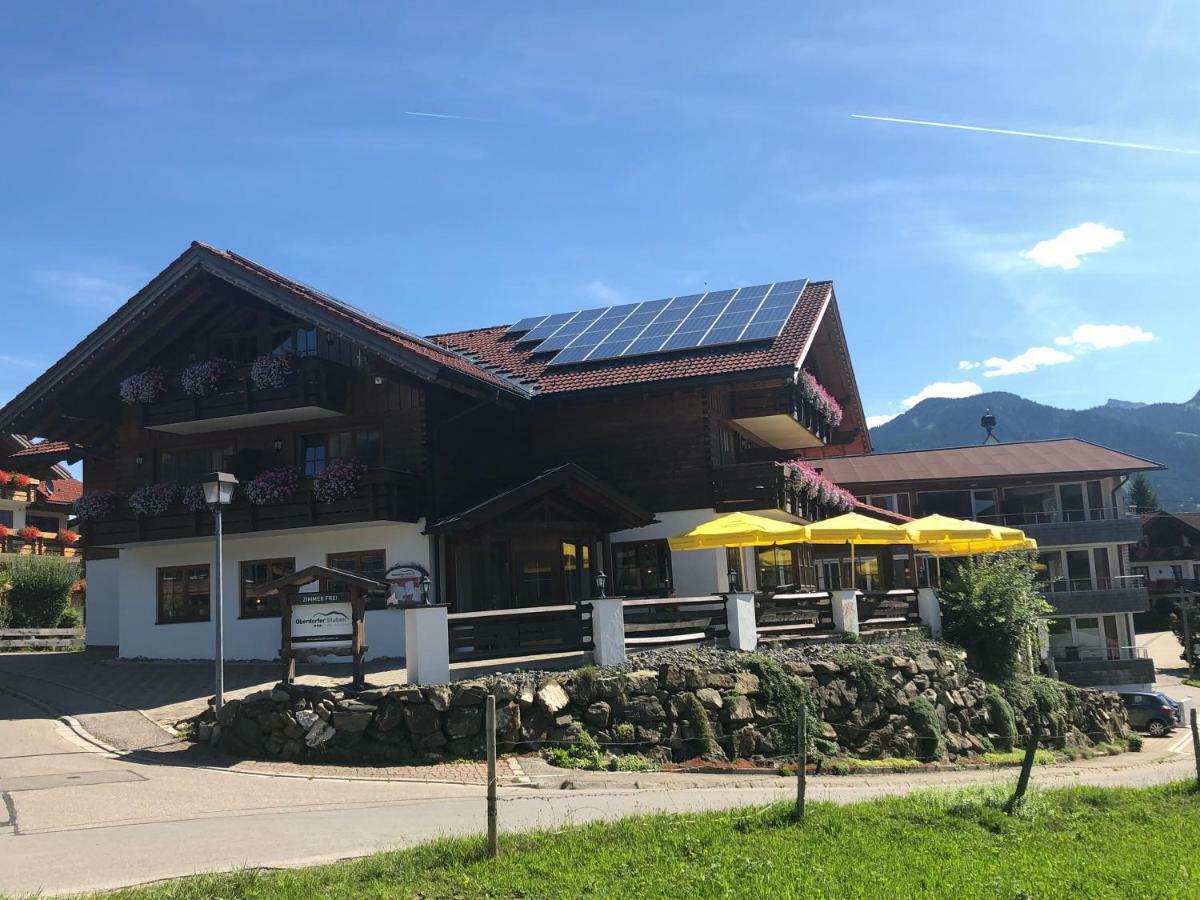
(608, 631)
(931, 611)
(845, 611)
(743, 627)
(427, 644)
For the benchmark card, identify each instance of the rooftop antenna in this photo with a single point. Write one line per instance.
(988, 423)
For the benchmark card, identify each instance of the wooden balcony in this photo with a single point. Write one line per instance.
(780, 417)
(316, 388)
(385, 495)
(19, 494)
(763, 485)
(46, 545)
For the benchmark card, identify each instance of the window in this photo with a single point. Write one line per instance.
(1072, 502)
(577, 571)
(238, 348)
(187, 465)
(182, 594)
(983, 506)
(43, 523)
(735, 568)
(299, 341)
(956, 504)
(258, 572)
(6, 518)
(367, 563)
(641, 569)
(318, 449)
(1030, 505)
(773, 567)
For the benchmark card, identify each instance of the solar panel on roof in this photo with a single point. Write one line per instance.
(754, 313)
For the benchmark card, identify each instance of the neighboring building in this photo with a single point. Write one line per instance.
(1067, 494)
(35, 492)
(1168, 556)
(512, 463)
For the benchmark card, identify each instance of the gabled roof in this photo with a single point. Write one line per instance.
(416, 355)
(1027, 459)
(493, 350)
(64, 491)
(615, 508)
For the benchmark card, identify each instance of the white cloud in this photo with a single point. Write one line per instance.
(876, 421)
(85, 289)
(1066, 250)
(1104, 337)
(1029, 361)
(20, 362)
(603, 293)
(966, 364)
(950, 389)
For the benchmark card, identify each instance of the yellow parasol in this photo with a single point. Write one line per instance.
(853, 529)
(738, 530)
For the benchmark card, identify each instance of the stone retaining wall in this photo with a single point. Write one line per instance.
(669, 705)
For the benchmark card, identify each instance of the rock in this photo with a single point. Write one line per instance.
(374, 695)
(431, 741)
(822, 667)
(422, 719)
(354, 706)
(552, 698)
(720, 681)
(710, 697)
(525, 696)
(642, 682)
(246, 730)
(469, 693)
(390, 714)
(607, 688)
(743, 742)
(802, 669)
(508, 720)
(229, 712)
(746, 683)
(408, 694)
(320, 734)
(204, 732)
(281, 696)
(563, 720)
(464, 721)
(258, 696)
(647, 735)
(503, 691)
(439, 697)
(597, 715)
(646, 710)
(215, 740)
(351, 721)
(671, 678)
(738, 709)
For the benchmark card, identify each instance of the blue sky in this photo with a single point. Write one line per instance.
(575, 154)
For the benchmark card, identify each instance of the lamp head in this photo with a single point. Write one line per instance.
(218, 489)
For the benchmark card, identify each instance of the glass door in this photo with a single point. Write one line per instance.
(1072, 502)
(1079, 570)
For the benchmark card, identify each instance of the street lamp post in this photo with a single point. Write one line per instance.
(218, 492)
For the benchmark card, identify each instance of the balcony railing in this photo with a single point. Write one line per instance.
(1112, 583)
(1081, 654)
(782, 400)
(18, 494)
(763, 485)
(1055, 516)
(1175, 584)
(313, 383)
(383, 495)
(43, 546)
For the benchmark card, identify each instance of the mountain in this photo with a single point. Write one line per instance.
(1168, 433)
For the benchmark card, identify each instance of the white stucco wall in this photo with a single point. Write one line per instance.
(696, 573)
(103, 622)
(253, 638)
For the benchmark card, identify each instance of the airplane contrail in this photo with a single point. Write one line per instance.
(429, 115)
(1031, 134)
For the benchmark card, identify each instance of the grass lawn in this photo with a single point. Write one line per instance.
(1079, 842)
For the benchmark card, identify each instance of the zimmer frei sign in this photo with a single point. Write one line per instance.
(324, 619)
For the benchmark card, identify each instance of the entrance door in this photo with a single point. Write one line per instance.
(1079, 570)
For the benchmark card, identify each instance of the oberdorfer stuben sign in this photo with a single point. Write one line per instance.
(323, 619)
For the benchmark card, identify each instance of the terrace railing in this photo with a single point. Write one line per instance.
(43, 546)
(676, 620)
(881, 610)
(783, 616)
(1080, 654)
(1111, 583)
(528, 631)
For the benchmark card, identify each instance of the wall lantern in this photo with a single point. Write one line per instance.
(277, 444)
(734, 581)
(425, 583)
(140, 459)
(601, 580)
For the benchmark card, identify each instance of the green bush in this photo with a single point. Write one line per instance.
(931, 745)
(1133, 742)
(1004, 723)
(992, 608)
(704, 743)
(631, 762)
(786, 695)
(871, 679)
(851, 637)
(70, 618)
(41, 590)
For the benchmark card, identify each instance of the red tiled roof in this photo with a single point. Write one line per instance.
(886, 514)
(1067, 456)
(61, 490)
(410, 342)
(43, 447)
(488, 347)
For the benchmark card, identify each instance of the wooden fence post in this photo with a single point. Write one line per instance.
(1035, 734)
(493, 847)
(801, 759)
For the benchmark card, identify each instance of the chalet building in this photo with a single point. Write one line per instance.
(512, 463)
(1068, 495)
(1168, 557)
(36, 497)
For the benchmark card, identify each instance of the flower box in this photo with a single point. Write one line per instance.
(143, 387)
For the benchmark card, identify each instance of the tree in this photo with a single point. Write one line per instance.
(1141, 495)
(992, 608)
